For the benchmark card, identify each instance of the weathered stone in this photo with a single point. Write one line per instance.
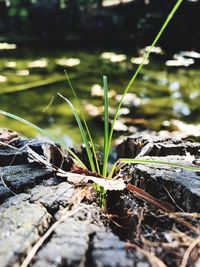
(21, 177)
(12, 156)
(154, 145)
(17, 154)
(71, 239)
(163, 181)
(15, 200)
(108, 250)
(52, 197)
(21, 224)
(82, 240)
(153, 230)
(4, 192)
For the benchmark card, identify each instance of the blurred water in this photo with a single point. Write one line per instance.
(162, 92)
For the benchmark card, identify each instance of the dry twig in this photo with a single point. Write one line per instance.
(189, 250)
(155, 262)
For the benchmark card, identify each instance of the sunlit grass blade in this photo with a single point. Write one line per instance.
(106, 125)
(84, 122)
(153, 162)
(127, 88)
(114, 167)
(43, 132)
(83, 134)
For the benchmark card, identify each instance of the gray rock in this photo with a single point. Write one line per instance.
(11, 156)
(162, 181)
(182, 185)
(21, 177)
(82, 240)
(52, 197)
(20, 227)
(71, 240)
(17, 153)
(152, 144)
(109, 251)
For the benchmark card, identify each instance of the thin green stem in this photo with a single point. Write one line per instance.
(83, 134)
(106, 125)
(170, 16)
(158, 162)
(84, 121)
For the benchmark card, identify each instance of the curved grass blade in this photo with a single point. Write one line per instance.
(152, 162)
(114, 167)
(106, 125)
(84, 121)
(127, 88)
(83, 134)
(160, 162)
(43, 132)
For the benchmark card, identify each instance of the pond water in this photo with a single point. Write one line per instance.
(165, 94)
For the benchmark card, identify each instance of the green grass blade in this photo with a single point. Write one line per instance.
(159, 162)
(84, 121)
(83, 134)
(106, 125)
(110, 175)
(170, 16)
(43, 132)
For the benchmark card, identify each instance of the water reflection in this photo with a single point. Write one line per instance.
(68, 62)
(181, 109)
(98, 91)
(183, 58)
(192, 54)
(39, 63)
(188, 129)
(7, 46)
(113, 57)
(139, 60)
(156, 50)
(179, 61)
(11, 64)
(23, 72)
(3, 79)
(160, 93)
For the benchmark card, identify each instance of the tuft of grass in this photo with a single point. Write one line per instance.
(108, 133)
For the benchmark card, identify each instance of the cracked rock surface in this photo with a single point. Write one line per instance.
(21, 225)
(32, 200)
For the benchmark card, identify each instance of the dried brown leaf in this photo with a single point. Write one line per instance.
(77, 178)
(107, 184)
(80, 170)
(147, 197)
(7, 136)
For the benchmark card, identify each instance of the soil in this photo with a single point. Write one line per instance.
(47, 221)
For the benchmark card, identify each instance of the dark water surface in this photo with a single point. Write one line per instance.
(162, 94)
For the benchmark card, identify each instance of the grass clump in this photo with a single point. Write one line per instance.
(108, 132)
